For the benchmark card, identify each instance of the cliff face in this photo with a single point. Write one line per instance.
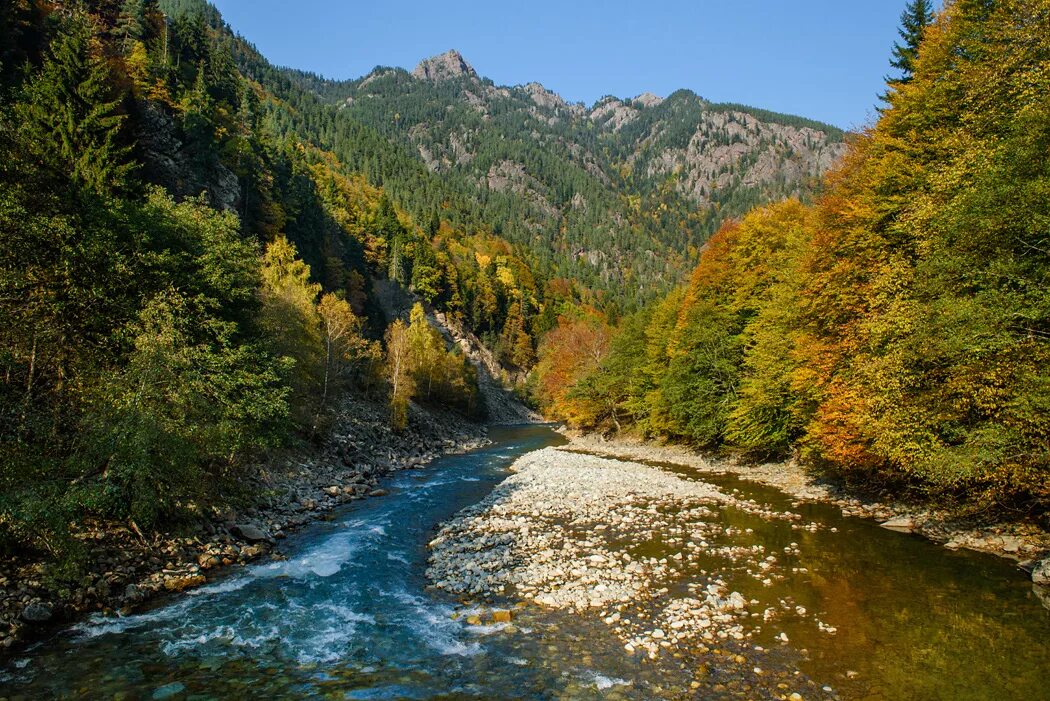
(736, 150)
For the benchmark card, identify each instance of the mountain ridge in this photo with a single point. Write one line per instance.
(618, 196)
(457, 65)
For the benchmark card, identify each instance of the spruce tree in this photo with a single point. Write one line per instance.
(916, 17)
(72, 113)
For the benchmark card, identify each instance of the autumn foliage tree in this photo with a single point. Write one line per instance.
(420, 367)
(349, 358)
(572, 350)
(399, 372)
(926, 300)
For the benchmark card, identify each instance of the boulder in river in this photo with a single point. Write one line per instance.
(248, 532)
(1041, 572)
(168, 690)
(36, 612)
(184, 582)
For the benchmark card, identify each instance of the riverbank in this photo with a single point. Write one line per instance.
(126, 568)
(1023, 542)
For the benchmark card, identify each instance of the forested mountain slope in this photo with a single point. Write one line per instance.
(619, 196)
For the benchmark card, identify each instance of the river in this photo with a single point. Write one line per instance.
(347, 615)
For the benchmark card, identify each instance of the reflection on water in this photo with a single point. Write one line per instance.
(348, 616)
(913, 620)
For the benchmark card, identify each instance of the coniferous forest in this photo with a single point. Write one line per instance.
(236, 297)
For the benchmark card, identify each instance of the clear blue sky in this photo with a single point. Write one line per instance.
(823, 59)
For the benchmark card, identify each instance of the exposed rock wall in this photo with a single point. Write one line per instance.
(502, 406)
(445, 66)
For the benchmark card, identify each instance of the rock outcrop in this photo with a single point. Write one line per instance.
(648, 99)
(446, 66)
(613, 114)
(166, 161)
(731, 150)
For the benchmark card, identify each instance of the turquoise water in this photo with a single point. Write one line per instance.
(348, 616)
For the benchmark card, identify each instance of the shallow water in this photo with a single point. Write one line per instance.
(913, 620)
(348, 616)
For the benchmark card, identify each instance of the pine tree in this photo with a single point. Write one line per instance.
(131, 24)
(198, 119)
(916, 17)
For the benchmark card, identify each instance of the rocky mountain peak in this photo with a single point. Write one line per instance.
(446, 66)
(648, 99)
(544, 97)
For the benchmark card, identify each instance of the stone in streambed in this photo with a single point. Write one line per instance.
(501, 616)
(168, 690)
(180, 583)
(1041, 572)
(36, 612)
(902, 524)
(248, 532)
(1011, 544)
(208, 560)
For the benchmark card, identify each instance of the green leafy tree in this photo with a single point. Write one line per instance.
(290, 319)
(426, 348)
(699, 390)
(191, 402)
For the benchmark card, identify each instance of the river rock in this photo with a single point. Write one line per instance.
(1011, 544)
(168, 690)
(903, 524)
(37, 612)
(248, 532)
(1041, 572)
(180, 583)
(208, 560)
